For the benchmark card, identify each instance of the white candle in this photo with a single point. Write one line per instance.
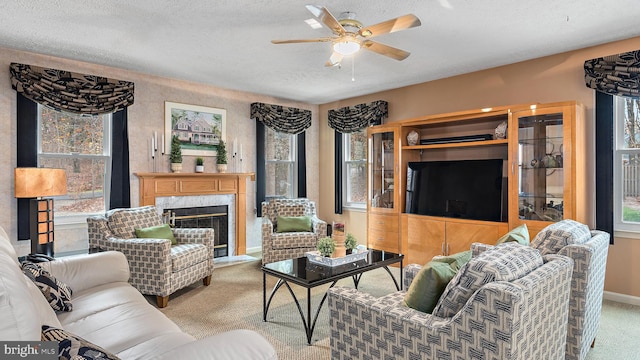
(152, 147)
(162, 144)
(235, 146)
(240, 152)
(155, 140)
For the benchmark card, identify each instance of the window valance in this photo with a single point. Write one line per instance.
(71, 92)
(281, 118)
(615, 74)
(355, 118)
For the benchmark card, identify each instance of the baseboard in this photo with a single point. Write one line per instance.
(254, 249)
(622, 298)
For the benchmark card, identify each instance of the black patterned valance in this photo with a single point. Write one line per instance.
(615, 74)
(355, 118)
(71, 92)
(281, 118)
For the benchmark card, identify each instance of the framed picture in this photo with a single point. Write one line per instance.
(199, 128)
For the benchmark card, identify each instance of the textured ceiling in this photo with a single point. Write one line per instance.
(227, 43)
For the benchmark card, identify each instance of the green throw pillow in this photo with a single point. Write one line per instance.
(293, 223)
(157, 232)
(429, 284)
(519, 234)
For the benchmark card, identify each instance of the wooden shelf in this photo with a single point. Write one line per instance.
(457, 144)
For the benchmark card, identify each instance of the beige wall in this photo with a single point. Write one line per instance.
(145, 116)
(549, 79)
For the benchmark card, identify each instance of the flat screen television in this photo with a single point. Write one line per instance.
(467, 189)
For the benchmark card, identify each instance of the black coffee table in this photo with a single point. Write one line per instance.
(302, 272)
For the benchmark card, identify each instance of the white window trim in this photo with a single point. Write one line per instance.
(294, 167)
(69, 221)
(621, 228)
(346, 204)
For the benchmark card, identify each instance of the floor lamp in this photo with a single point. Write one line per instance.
(37, 184)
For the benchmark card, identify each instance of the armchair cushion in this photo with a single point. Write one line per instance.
(293, 224)
(124, 222)
(157, 232)
(284, 209)
(293, 240)
(504, 262)
(185, 255)
(519, 235)
(429, 284)
(57, 293)
(558, 235)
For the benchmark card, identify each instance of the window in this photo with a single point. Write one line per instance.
(354, 181)
(626, 163)
(80, 144)
(281, 169)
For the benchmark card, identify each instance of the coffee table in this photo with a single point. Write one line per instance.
(302, 272)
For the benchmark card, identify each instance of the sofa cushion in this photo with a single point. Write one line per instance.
(19, 319)
(429, 284)
(186, 255)
(124, 222)
(293, 224)
(56, 292)
(157, 232)
(504, 262)
(558, 235)
(71, 346)
(520, 235)
(293, 240)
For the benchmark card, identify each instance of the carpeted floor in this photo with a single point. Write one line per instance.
(234, 300)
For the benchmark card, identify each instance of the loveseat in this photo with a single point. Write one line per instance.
(108, 312)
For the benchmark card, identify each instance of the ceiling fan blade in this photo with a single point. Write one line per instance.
(334, 60)
(327, 19)
(301, 41)
(385, 50)
(389, 26)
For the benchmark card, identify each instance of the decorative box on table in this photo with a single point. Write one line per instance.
(315, 257)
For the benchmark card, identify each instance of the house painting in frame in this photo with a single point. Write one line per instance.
(199, 128)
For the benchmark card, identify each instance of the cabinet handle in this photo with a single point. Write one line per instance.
(442, 249)
(513, 168)
(447, 249)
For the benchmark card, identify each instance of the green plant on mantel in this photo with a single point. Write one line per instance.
(199, 161)
(326, 246)
(176, 152)
(222, 153)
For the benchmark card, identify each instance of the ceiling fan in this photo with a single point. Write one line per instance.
(349, 35)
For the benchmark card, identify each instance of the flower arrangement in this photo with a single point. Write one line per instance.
(326, 246)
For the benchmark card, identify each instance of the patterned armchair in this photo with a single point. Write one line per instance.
(588, 249)
(157, 267)
(285, 245)
(523, 319)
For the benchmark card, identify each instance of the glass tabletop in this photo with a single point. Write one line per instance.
(307, 273)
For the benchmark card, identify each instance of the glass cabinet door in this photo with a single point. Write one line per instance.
(381, 168)
(541, 172)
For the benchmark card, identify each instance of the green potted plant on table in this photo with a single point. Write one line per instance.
(326, 246)
(176, 155)
(222, 157)
(199, 165)
(350, 243)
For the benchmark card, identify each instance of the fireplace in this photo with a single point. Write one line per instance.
(215, 217)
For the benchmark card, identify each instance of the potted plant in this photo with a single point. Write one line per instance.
(326, 246)
(350, 243)
(176, 155)
(222, 157)
(199, 165)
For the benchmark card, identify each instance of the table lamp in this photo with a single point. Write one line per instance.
(36, 184)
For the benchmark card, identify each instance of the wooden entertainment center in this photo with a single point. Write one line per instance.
(544, 174)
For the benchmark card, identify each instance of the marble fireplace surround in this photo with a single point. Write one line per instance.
(174, 190)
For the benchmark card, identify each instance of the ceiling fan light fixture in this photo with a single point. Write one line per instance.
(346, 47)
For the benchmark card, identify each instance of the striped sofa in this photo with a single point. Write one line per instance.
(525, 318)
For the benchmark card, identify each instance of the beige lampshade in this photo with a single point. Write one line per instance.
(38, 182)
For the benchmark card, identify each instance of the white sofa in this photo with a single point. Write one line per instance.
(108, 312)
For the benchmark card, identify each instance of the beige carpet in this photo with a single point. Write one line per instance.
(234, 300)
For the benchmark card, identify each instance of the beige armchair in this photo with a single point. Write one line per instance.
(278, 246)
(157, 267)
